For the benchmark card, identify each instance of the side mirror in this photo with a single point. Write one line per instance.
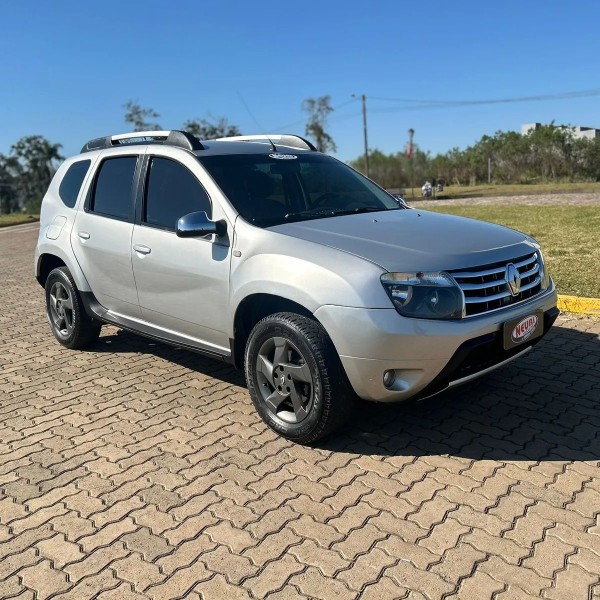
(197, 224)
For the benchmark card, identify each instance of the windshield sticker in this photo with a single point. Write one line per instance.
(283, 156)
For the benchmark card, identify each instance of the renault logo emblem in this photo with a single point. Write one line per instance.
(513, 279)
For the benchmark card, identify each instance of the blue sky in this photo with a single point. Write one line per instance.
(69, 66)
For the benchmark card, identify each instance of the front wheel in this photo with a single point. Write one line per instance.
(295, 378)
(69, 322)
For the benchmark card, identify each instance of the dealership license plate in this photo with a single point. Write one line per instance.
(522, 330)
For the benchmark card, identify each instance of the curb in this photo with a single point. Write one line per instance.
(575, 304)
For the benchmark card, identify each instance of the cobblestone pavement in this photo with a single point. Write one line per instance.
(136, 470)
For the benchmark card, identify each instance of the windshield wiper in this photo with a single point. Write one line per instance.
(331, 212)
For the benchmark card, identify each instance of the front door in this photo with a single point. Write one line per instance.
(182, 283)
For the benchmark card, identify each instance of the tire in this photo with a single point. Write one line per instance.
(69, 322)
(295, 378)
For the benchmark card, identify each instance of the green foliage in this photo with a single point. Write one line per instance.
(548, 153)
(26, 173)
(205, 130)
(137, 116)
(318, 109)
(396, 170)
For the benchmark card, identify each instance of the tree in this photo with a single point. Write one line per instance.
(33, 165)
(318, 110)
(9, 186)
(137, 116)
(205, 130)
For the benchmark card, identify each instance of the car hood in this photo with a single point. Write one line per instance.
(409, 240)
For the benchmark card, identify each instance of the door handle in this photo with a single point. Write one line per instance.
(84, 235)
(142, 249)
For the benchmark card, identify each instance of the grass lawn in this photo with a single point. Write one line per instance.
(478, 191)
(569, 236)
(17, 219)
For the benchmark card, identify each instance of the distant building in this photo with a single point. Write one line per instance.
(578, 131)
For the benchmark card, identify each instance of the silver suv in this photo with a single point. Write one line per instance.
(262, 252)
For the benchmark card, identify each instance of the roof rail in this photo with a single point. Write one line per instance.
(180, 139)
(285, 139)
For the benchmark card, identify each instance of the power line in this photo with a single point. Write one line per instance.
(537, 98)
(260, 127)
(332, 118)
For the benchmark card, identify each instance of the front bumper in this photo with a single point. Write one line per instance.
(426, 356)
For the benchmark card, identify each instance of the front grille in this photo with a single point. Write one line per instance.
(486, 288)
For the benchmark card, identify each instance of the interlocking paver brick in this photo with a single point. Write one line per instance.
(457, 562)
(95, 562)
(185, 554)
(237, 540)
(235, 568)
(122, 592)
(44, 580)
(89, 587)
(387, 523)
(139, 572)
(406, 575)
(274, 576)
(479, 585)
(509, 550)
(384, 589)
(366, 569)
(107, 535)
(311, 554)
(9, 565)
(272, 546)
(311, 583)
(142, 540)
(549, 557)
(218, 587)
(140, 470)
(325, 535)
(572, 582)
(443, 536)
(59, 550)
(399, 549)
(526, 579)
(189, 528)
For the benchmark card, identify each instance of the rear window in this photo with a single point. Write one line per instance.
(71, 183)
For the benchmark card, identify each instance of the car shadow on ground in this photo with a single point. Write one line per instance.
(544, 406)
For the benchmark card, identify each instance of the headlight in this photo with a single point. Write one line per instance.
(424, 295)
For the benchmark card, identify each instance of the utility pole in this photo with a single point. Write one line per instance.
(411, 135)
(364, 107)
(364, 111)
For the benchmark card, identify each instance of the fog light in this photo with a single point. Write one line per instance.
(388, 378)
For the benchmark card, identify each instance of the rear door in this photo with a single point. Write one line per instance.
(101, 236)
(182, 283)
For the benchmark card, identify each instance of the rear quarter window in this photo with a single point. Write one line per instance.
(71, 183)
(113, 189)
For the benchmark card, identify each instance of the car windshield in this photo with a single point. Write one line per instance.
(270, 189)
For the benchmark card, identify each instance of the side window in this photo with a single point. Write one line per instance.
(171, 192)
(71, 182)
(112, 191)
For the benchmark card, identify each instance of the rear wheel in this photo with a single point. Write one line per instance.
(69, 322)
(296, 379)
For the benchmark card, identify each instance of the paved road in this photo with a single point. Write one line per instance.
(137, 470)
